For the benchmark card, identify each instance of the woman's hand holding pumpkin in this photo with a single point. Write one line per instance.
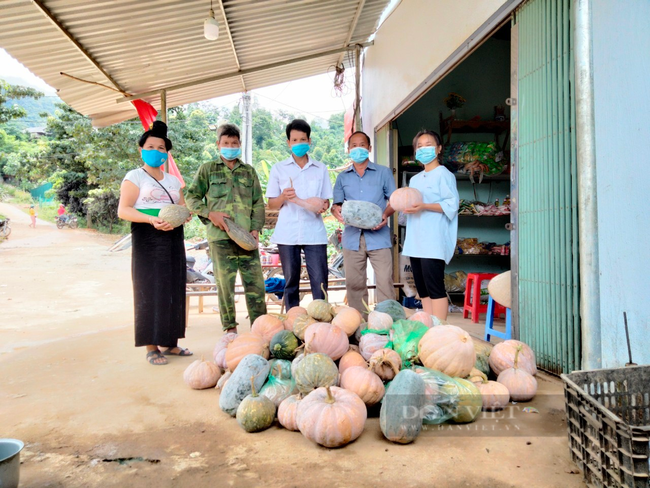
(160, 224)
(417, 207)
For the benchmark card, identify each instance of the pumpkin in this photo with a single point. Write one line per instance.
(287, 412)
(423, 318)
(358, 333)
(277, 388)
(300, 325)
(239, 384)
(267, 326)
(386, 363)
(219, 352)
(448, 349)
(320, 309)
(312, 204)
(404, 198)
(296, 361)
(469, 404)
(314, 371)
(284, 345)
(364, 383)
(495, 395)
(201, 374)
(348, 319)
(400, 417)
(242, 346)
(476, 376)
(292, 315)
(174, 215)
(354, 347)
(482, 357)
(361, 214)
(503, 354)
(379, 321)
(280, 368)
(326, 338)
(499, 289)
(370, 343)
(255, 412)
(392, 308)
(519, 382)
(223, 380)
(331, 417)
(240, 236)
(349, 359)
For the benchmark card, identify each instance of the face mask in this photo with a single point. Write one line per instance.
(154, 158)
(425, 154)
(359, 154)
(300, 149)
(230, 153)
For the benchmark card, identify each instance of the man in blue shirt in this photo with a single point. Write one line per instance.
(371, 183)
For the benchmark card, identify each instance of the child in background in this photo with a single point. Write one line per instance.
(32, 215)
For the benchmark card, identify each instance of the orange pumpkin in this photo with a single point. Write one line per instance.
(404, 198)
(502, 357)
(332, 416)
(448, 349)
(292, 315)
(201, 374)
(386, 363)
(364, 383)
(243, 345)
(267, 326)
(495, 395)
(287, 412)
(327, 339)
(422, 317)
(521, 384)
(349, 319)
(349, 359)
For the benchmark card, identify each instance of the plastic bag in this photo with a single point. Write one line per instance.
(280, 368)
(277, 389)
(406, 276)
(406, 337)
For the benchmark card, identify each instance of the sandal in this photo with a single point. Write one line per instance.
(181, 352)
(153, 356)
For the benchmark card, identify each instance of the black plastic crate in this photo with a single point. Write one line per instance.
(608, 418)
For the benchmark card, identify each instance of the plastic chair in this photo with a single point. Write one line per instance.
(472, 302)
(489, 322)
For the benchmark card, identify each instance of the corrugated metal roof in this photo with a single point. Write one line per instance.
(148, 45)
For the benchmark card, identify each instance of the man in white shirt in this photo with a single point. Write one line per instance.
(300, 187)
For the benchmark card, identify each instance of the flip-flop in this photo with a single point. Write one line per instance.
(182, 352)
(152, 356)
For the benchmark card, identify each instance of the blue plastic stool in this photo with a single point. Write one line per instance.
(489, 322)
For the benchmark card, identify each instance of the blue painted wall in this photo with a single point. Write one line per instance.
(621, 50)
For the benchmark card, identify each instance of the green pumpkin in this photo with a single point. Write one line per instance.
(364, 215)
(284, 344)
(255, 412)
(400, 417)
(392, 308)
(482, 364)
(314, 371)
(300, 325)
(174, 215)
(470, 402)
(280, 368)
(239, 385)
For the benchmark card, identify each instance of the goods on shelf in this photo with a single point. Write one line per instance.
(471, 245)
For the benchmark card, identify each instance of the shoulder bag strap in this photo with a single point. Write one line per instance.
(159, 184)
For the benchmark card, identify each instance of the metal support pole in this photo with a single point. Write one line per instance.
(587, 188)
(163, 117)
(247, 129)
(357, 88)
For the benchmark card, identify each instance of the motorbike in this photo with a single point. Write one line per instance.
(5, 230)
(205, 273)
(69, 220)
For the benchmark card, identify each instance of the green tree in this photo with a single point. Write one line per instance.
(14, 92)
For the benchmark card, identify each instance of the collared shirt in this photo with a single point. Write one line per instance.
(236, 192)
(376, 186)
(433, 234)
(297, 225)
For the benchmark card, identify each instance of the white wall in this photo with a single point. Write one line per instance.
(415, 39)
(621, 47)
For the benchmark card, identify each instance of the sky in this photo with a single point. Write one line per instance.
(313, 97)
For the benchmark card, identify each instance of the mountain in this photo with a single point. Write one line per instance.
(34, 107)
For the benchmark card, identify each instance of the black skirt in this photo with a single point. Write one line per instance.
(159, 274)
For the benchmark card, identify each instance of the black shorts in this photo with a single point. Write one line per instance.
(429, 277)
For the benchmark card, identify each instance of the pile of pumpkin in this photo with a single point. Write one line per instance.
(421, 370)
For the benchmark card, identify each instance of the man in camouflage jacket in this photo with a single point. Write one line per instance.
(228, 188)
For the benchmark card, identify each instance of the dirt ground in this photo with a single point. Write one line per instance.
(93, 412)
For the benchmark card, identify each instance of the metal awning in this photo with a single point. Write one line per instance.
(140, 47)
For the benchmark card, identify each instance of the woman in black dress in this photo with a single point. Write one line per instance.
(158, 256)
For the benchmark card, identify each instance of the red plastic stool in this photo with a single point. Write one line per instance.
(473, 297)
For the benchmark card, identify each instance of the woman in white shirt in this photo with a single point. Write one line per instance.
(432, 226)
(158, 258)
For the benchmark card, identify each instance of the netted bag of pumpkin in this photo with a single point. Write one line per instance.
(406, 337)
(279, 385)
(441, 395)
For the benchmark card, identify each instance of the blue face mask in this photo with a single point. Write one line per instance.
(154, 158)
(300, 149)
(426, 154)
(230, 153)
(359, 154)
